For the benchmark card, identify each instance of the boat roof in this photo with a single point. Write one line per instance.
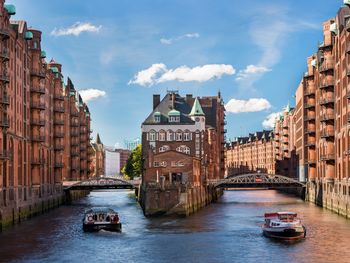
(275, 214)
(99, 210)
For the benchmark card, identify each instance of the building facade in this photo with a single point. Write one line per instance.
(251, 154)
(34, 133)
(182, 148)
(98, 158)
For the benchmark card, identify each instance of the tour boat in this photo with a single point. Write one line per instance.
(283, 225)
(97, 218)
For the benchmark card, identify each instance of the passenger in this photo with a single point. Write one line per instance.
(107, 218)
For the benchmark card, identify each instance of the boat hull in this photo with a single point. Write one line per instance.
(98, 227)
(285, 234)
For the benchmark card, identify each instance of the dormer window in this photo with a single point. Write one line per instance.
(174, 116)
(157, 117)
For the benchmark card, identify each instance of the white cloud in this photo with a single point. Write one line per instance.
(91, 94)
(250, 105)
(148, 76)
(269, 121)
(76, 29)
(251, 70)
(169, 41)
(158, 73)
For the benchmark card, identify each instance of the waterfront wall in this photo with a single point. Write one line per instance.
(334, 197)
(176, 199)
(14, 214)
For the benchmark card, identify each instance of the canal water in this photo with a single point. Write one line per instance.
(227, 231)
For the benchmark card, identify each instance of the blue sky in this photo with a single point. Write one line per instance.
(253, 51)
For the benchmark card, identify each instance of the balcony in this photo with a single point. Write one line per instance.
(4, 123)
(310, 144)
(5, 155)
(59, 134)
(327, 117)
(74, 153)
(326, 100)
(311, 161)
(58, 165)
(37, 122)
(75, 167)
(58, 122)
(58, 97)
(58, 147)
(58, 109)
(37, 105)
(4, 54)
(38, 138)
(327, 157)
(327, 134)
(326, 65)
(74, 124)
(327, 84)
(37, 161)
(323, 45)
(4, 99)
(285, 149)
(309, 92)
(4, 33)
(74, 114)
(4, 77)
(310, 130)
(38, 73)
(309, 117)
(309, 105)
(40, 90)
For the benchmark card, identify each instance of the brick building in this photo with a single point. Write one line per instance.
(35, 133)
(251, 154)
(182, 147)
(97, 155)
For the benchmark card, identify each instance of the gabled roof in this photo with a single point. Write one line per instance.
(98, 139)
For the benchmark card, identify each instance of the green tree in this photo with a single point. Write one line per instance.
(133, 167)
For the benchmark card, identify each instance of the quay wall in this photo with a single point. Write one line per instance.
(15, 213)
(331, 196)
(177, 200)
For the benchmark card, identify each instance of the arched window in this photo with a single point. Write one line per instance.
(179, 135)
(152, 136)
(164, 148)
(162, 135)
(183, 149)
(187, 136)
(170, 135)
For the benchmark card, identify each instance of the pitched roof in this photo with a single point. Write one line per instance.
(196, 109)
(98, 139)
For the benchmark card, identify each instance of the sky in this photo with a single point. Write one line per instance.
(119, 53)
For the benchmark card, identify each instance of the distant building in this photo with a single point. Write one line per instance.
(98, 158)
(131, 144)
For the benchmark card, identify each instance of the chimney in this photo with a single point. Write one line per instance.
(156, 100)
(188, 98)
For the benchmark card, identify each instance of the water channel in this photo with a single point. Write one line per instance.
(226, 231)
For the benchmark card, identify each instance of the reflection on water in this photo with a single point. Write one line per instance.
(227, 231)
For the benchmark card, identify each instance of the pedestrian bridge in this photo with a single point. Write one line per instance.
(101, 183)
(257, 180)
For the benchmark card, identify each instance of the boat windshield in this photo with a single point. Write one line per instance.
(287, 217)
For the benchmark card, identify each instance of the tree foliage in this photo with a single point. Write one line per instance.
(133, 167)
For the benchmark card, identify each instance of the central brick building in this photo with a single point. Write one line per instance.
(182, 147)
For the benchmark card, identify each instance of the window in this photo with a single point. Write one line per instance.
(183, 149)
(160, 164)
(187, 136)
(174, 119)
(162, 136)
(164, 148)
(170, 136)
(177, 164)
(152, 136)
(157, 118)
(179, 136)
